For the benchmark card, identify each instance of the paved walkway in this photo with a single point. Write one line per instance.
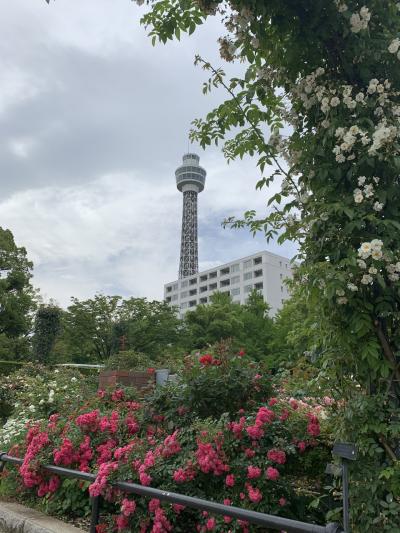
(15, 518)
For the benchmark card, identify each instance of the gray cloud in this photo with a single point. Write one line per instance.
(93, 122)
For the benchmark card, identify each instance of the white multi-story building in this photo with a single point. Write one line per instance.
(264, 271)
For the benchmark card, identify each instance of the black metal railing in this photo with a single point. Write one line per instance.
(253, 517)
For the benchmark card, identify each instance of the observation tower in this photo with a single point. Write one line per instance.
(190, 180)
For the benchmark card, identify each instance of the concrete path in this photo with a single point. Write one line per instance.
(15, 518)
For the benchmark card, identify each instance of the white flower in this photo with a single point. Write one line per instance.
(342, 300)
(73, 379)
(376, 179)
(358, 196)
(359, 97)
(376, 244)
(376, 254)
(361, 180)
(325, 123)
(373, 270)
(32, 408)
(339, 132)
(365, 250)
(394, 46)
(372, 86)
(335, 101)
(393, 277)
(340, 292)
(378, 206)
(56, 371)
(369, 191)
(352, 287)
(397, 266)
(340, 158)
(361, 263)
(342, 8)
(41, 402)
(366, 279)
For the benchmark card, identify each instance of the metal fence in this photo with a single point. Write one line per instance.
(270, 522)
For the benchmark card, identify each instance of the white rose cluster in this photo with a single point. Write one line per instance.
(348, 137)
(367, 192)
(359, 21)
(394, 47)
(371, 249)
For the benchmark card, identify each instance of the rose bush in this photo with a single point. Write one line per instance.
(212, 384)
(247, 460)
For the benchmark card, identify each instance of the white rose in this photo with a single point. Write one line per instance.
(335, 101)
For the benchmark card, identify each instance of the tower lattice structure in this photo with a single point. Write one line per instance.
(190, 180)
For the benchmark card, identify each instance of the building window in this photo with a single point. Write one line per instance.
(192, 292)
(192, 303)
(203, 278)
(193, 281)
(184, 283)
(257, 260)
(281, 288)
(280, 264)
(175, 287)
(281, 276)
(225, 283)
(248, 288)
(235, 292)
(174, 297)
(203, 300)
(168, 299)
(184, 305)
(203, 288)
(212, 275)
(247, 275)
(286, 265)
(184, 294)
(235, 267)
(247, 264)
(169, 289)
(259, 286)
(258, 273)
(224, 271)
(235, 279)
(212, 286)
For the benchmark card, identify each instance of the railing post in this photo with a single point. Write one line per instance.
(347, 451)
(94, 519)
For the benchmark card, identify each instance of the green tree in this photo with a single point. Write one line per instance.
(323, 80)
(219, 320)
(97, 328)
(47, 328)
(151, 327)
(257, 326)
(89, 328)
(17, 297)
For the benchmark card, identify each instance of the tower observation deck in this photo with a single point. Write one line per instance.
(190, 180)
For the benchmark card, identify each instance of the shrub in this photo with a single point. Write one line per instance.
(129, 360)
(245, 461)
(34, 393)
(211, 385)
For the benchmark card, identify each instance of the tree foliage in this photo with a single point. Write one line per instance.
(17, 298)
(47, 327)
(319, 107)
(248, 326)
(98, 327)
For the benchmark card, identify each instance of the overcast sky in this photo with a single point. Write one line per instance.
(93, 123)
